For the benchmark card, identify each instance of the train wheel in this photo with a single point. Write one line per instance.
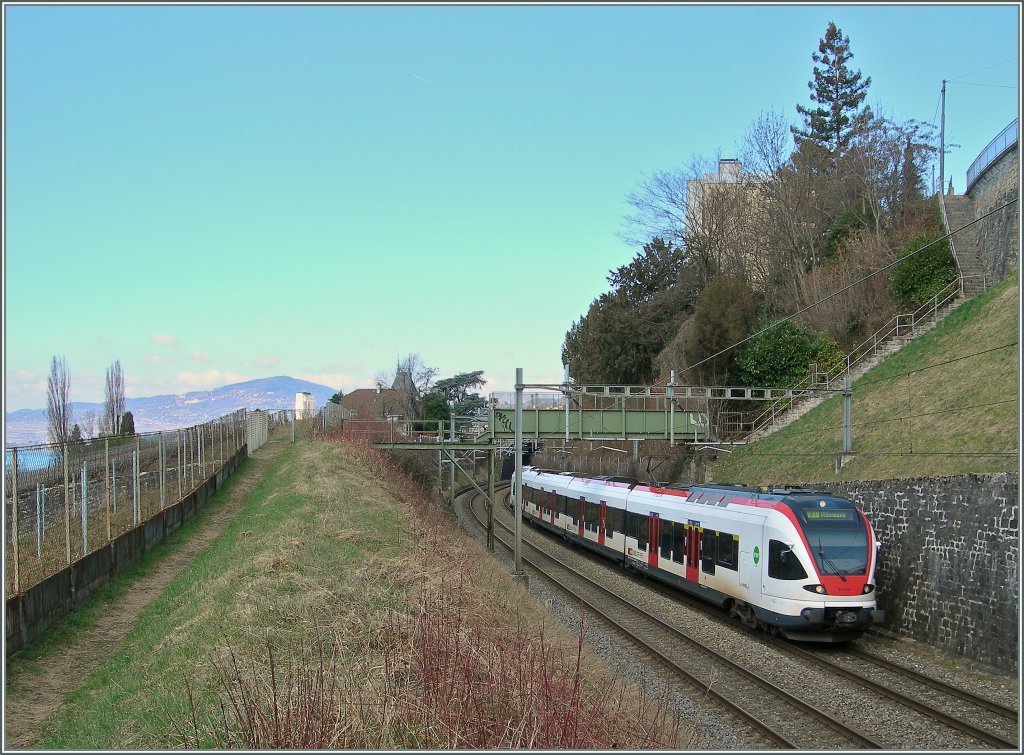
(744, 613)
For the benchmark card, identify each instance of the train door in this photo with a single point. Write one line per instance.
(744, 569)
(602, 515)
(583, 512)
(653, 538)
(553, 505)
(693, 551)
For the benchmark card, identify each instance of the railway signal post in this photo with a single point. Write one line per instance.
(517, 485)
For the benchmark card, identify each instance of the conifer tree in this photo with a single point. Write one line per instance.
(839, 94)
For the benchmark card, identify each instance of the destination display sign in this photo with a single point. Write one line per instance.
(820, 515)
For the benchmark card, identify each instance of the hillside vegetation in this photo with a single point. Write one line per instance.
(731, 248)
(947, 403)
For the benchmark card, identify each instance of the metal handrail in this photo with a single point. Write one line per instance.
(901, 324)
(995, 149)
(949, 231)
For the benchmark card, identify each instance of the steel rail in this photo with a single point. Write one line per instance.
(936, 684)
(761, 726)
(898, 697)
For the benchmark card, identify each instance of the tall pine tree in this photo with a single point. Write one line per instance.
(839, 94)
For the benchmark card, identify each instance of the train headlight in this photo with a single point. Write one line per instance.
(868, 588)
(820, 589)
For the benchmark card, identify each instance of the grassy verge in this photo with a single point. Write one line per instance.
(945, 404)
(342, 608)
(84, 617)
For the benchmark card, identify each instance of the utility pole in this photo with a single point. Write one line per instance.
(942, 141)
(517, 489)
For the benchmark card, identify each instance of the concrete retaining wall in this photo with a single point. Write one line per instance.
(29, 614)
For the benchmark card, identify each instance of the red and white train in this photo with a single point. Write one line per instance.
(794, 561)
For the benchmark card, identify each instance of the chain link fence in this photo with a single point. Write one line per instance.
(63, 502)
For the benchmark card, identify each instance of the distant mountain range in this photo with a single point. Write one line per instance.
(28, 426)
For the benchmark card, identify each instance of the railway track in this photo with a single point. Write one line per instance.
(778, 718)
(988, 721)
(979, 718)
(971, 716)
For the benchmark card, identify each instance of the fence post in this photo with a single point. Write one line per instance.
(85, 507)
(177, 447)
(67, 508)
(113, 483)
(106, 480)
(14, 518)
(847, 416)
(138, 478)
(163, 471)
(40, 513)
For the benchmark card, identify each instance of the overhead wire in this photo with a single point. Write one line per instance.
(964, 76)
(861, 384)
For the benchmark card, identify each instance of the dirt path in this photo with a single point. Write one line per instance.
(39, 691)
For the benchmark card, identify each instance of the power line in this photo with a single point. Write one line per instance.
(825, 428)
(979, 84)
(832, 455)
(848, 287)
(933, 366)
(982, 69)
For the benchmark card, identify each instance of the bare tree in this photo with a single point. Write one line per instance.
(798, 204)
(704, 208)
(88, 424)
(58, 403)
(412, 377)
(113, 400)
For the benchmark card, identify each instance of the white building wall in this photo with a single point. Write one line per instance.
(256, 426)
(305, 405)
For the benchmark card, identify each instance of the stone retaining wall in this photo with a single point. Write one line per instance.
(948, 566)
(998, 235)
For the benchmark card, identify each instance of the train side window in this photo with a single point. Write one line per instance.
(728, 548)
(609, 521)
(591, 516)
(665, 538)
(708, 551)
(614, 520)
(678, 541)
(636, 527)
(783, 563)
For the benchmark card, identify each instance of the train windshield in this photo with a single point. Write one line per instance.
(836, 534)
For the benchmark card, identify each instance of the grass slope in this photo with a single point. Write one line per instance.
(945, 404)
(389, 628)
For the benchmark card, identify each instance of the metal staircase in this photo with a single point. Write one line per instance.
(889, 339)
(957, 213)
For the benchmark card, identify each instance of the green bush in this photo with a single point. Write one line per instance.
(782, 357)
(916, 279)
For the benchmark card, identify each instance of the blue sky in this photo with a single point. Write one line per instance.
(215, 194)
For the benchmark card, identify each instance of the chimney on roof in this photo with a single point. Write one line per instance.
(729, 170)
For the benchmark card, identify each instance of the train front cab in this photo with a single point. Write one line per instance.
(818, 573)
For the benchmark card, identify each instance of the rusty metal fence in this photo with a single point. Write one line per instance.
(61, 502)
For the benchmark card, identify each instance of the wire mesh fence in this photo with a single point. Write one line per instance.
(62, 502)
